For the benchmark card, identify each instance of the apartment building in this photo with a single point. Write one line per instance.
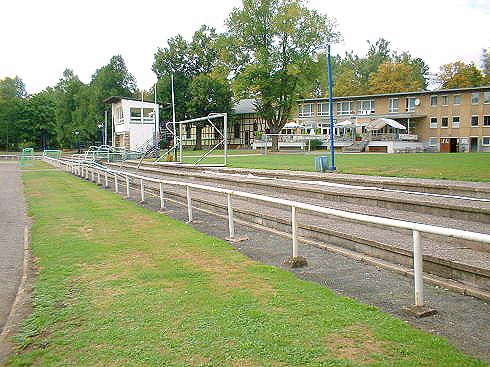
(446, 120)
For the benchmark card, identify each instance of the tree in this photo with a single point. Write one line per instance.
(485, 60)
(278, 40)
(459, 75)
(12, 92)
(392, 78)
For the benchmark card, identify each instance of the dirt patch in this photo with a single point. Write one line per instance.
(356, 343)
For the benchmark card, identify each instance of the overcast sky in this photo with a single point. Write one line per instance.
(39, 39)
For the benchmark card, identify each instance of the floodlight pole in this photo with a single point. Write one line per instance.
(173, 118)
(330, 107)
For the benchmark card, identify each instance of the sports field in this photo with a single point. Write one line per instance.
(454, 166)
(119, 285)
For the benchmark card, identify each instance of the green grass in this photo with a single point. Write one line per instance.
(454, 166)
(119, 285)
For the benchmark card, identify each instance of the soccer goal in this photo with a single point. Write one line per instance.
(26, 157)
(292, 143)
(201, 141)
(52, 153)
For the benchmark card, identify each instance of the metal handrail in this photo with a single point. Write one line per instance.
(416, 228)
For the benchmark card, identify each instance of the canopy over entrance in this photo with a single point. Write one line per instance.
(382, 122)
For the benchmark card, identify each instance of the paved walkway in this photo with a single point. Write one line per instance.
(13, 220)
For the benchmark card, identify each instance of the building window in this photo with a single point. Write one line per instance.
(433, 101)
(486, 97)
(475, 98)
(433, 141)
(433, 122)
(306, 110)
(236, 131)
(486, 120)
(455, 122)
(474, 121)
(444, 122)
(445, 100)
(322, 109)
(366, 107)
(485, 140)
(344, 108)
(457, 99)
(393, 105)
(410, 104)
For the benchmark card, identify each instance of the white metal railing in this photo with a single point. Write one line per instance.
(84, 170)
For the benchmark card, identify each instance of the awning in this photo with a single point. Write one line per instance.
(382, 122)
(293, 125)
(347, 123)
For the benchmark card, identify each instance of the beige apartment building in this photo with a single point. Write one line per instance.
(445, 120)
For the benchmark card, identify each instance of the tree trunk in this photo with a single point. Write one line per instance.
(275, 138)
(198, 137)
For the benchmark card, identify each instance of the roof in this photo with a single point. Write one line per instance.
(116, 99)
(245, 106)
(413, 93)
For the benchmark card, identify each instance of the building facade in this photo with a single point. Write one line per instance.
(447, 120)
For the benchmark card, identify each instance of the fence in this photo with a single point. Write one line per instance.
(89, 170)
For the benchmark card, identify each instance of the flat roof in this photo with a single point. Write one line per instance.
(414, 93)
(115, 99)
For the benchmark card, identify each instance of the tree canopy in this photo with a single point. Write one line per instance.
(459, 75)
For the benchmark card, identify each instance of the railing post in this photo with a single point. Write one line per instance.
(162, 201)
(98, 176)
(142, 190)
(189, 203)
(116, 183)
(128, 194)
(106, 179)
(418, 269)
(231, 224)
(86, 173)
(294, 231)
(93, 174)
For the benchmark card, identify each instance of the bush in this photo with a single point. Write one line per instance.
(315, 144)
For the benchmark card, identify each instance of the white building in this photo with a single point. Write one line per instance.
(134, 122)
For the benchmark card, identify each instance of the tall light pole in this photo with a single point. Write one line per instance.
(330, 107)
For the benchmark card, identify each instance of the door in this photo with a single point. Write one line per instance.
(444, 145)
(454, 145)
(473, 144)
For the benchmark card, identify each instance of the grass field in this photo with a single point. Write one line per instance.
(454, 166)
(119, 285)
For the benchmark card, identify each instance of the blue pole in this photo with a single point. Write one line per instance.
(330, 107)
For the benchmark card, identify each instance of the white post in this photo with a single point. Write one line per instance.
(231, 224)
(106, 179)
(294, 231)
(93, 174)
(127, 187)
(225, 131)
(418, 269)
(116, 183)
(98, 176)
(87, 173)
(162, 202)
(142, 190)
(189, 203)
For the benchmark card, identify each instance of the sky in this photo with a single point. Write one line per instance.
(40, 39)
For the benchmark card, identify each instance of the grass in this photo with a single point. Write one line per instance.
(119, 285)
(454, 166)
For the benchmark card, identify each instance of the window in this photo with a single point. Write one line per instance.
(433, 141)
(119, 115)
(433, 122)
(236, 131)
(474, 121)
(455, 122)
(444, 122)
(475, 98)
(322, 109)
(366, 107)
(485, 140)
(306, 110)
(135, 114)
(393, 105)
(433, 101)
(457, 99)
(486, 97)
(486, 120)
(410, 104)
(445, 100)
(344, 108)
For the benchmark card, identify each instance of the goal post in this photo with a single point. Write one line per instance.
(213, 136)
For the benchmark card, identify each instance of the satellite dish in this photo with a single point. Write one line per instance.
(417, 102)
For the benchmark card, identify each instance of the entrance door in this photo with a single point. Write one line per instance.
(454, 145)
(473, 144)
(247, 138)
(444, 145)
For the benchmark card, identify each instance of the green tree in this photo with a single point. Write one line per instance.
(12, 93)
(459, 75)
(392, 78)
(485, 60)
(279, 40)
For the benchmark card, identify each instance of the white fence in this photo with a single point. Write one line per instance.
(90, 171)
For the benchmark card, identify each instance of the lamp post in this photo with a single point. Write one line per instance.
(77, 134)
(330, 108)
